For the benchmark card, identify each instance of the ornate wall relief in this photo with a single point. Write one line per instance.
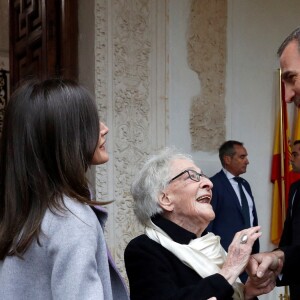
(207, 57)
(129, 59)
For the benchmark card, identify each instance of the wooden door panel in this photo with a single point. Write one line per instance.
(43, 39)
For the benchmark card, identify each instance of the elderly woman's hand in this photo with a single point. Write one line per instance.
(239, 253)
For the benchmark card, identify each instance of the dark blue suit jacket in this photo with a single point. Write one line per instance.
(291, 233)
(291, 230)
(226, 205)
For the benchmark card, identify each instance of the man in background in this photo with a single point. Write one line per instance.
(232, 198)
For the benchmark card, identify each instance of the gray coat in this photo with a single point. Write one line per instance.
(71, 263)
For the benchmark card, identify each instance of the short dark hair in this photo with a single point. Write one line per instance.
(50, 133)
(227, 149)
(294, 35)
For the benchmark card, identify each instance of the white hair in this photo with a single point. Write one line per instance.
(151, 180)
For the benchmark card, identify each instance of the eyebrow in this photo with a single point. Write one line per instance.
(286, 74)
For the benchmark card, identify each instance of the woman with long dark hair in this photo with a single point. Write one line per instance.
(51, 241)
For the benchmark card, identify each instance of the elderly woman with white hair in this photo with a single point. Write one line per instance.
(177, 258)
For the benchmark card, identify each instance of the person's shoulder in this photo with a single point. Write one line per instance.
(295, 184)
(138, 240)
(75, 225)
(141, 241)
(144, 247)
(80, 211)
(73, 214)
(217, 176)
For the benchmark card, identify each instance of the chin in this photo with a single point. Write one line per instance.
(100, 159)
(103, 159)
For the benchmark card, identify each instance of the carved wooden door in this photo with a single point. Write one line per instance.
(43, 39)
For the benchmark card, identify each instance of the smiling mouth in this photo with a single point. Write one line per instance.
(204, 199)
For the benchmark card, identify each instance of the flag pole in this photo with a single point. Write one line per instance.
(282, 134)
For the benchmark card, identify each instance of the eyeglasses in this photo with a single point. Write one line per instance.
(195, 176)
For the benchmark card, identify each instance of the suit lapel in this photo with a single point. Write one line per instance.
(231, 193)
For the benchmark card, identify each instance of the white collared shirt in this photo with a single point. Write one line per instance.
(237, 191)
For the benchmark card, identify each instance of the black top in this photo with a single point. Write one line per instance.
(291, 231)
(291, 238)
(156, 273)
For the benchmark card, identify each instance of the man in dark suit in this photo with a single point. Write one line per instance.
(232, 199)
(291, 231)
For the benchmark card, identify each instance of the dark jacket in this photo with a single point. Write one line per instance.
(291, 236)
(226, 205)
(229, 219)
(291, 265)
(155, 273)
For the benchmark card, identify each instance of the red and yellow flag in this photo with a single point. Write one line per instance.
(282, 175)
(280, 169)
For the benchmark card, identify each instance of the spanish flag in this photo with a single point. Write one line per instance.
(282, 175)
(280, 170)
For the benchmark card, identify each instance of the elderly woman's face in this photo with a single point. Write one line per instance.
(189, 200)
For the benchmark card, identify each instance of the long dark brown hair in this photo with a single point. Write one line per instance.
(50, 133)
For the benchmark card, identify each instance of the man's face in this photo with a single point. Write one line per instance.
(237, 164)
(295, 158)
(290, 67)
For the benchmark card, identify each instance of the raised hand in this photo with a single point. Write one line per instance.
(239, 253)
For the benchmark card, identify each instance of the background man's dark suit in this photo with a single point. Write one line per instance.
(291, 231)
(229, 218)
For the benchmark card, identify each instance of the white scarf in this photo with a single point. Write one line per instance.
(204, 255)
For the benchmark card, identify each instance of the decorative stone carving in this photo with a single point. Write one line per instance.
(207, 57)
(127, 97)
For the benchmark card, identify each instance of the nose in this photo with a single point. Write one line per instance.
(292, 158)
(289, 93)
(103, 129)
(205, 183)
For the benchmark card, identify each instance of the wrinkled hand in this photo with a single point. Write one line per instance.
(239, 253)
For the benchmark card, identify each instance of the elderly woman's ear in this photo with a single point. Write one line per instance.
(165, 202)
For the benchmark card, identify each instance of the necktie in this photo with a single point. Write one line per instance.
(245, 206)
